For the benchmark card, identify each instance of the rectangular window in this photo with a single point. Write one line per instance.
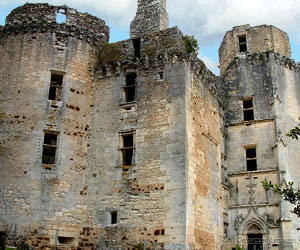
(137, 47)
(66, 240)
(56, 84)
(129, 89)
(114, 217)
(127, 146)
(243, 43)
(251, 159)
(49, 147)
(248, 110)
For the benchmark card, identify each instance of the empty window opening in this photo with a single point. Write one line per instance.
(161, 75)
(137, 47)
(248, 110)
(114, 217)
(251, 159)
(255, 242)
(127, 149)
(243, 43)
(61, 16)
(130, 87)
(66, 240)
(56, 84)
(49, 148)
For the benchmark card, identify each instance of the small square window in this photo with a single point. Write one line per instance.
(248, 110)
(251, 159)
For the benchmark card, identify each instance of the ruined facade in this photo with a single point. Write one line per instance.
(137, 143)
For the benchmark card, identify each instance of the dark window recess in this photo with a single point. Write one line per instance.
(255, 242)
(161, 75)
(137, 47)
(56, 84)
(243, 43)
(49, 148)
(248, 110)
(127, 150)
(66, 240)
(130, 87)
(114, 217)
(225, 224)
(251, 159)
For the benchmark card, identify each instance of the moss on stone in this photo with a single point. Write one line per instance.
(110, 53)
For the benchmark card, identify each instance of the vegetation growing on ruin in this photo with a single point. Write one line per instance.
(191, 44)
(110, 53)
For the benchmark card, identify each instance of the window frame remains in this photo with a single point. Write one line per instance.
(56, 86)
(248, 110)
(130, 88)
(243, 47)
(50, 145)
(127, 149)
(251, 158)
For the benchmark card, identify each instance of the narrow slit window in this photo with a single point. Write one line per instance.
(251, 159)
(225, 224)
(137, 47)
(243, 43)
(56, 84)
(161, 75)
(248, 110)
(49, 148)
(114, 217)
(130, 87)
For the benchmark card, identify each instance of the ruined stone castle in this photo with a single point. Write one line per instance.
(136, 144)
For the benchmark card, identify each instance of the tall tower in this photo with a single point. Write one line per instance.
(46, 90)
(261, 88)
(151, 16)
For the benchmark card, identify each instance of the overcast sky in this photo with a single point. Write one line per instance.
(208, 20)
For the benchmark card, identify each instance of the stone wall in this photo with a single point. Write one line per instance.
(206, 201)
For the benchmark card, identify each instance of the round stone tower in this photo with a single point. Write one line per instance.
(242, 40)
(46, 94)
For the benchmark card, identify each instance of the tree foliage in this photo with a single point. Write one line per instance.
(289, 194)
(191, 44)
(294, 133)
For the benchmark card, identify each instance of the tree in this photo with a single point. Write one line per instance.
(289, 194)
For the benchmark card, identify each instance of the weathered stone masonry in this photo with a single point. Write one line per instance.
(114, 145)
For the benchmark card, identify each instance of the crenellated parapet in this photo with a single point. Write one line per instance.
(259, 58)
(42, 18)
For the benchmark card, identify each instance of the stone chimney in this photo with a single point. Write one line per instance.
(151, 16)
